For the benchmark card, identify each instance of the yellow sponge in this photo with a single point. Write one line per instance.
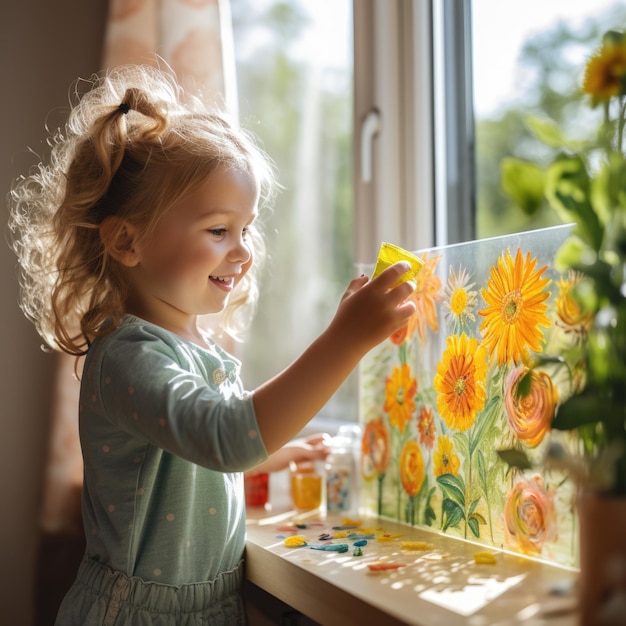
(390, 254)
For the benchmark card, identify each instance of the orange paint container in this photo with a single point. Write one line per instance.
(306, 486)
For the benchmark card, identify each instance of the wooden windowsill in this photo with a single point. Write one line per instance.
(443, 586)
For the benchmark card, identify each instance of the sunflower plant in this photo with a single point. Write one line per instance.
(586, 184)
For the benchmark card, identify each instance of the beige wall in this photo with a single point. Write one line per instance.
(44, 45)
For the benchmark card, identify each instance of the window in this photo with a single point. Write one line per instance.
(294, 70)
(530, 64)
(388, 120)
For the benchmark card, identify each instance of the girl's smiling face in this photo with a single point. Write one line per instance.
(198, 253)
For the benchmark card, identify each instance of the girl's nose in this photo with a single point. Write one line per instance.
(241, 251)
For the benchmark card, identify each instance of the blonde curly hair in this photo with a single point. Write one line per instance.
(133, 144)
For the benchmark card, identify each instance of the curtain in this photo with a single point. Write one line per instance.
(193, 37)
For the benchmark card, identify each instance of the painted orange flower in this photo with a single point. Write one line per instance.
(425, 296)
(445, 461)
(605, 71)
(530, 415)
(400, 392)
(460, 381)
(412, 471)
(516, 297)
(426, 427)
(570, 315)
(375, 449)
(529, 516)
(401, 335)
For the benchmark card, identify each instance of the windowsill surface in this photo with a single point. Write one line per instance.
(442, 587)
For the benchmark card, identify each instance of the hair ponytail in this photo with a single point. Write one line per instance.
(133, 144)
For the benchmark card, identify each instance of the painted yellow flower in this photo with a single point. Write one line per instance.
(605, 71)
(516, 308)
(460, 381)
(426, 427)
(412, 469)
(570, 315)
(375, 449)
(445, 461)
(459, 300)
(530, 416)
(529, 516)
(400, 393)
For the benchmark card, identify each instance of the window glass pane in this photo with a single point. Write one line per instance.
(528, 58)
(294, 72)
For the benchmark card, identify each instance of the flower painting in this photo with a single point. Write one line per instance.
(441, 396)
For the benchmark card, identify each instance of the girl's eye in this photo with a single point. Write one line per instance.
(217, 232)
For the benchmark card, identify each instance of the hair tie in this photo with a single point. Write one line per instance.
(124, 108)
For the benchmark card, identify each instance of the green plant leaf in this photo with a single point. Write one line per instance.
(567, 191)
(550, 133)
(524, 182)
(515, 458)
(577, 411)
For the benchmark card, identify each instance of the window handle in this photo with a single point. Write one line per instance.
(369, 130)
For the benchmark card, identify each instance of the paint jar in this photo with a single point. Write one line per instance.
(342, 470)
(257, 489)
(339, 475)
(306, 485)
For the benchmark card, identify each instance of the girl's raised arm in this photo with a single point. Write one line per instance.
(368, 313)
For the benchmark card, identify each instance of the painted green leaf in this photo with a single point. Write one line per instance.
(473, 506)
(480, 519)
(482, 471)
(429, 516)
(451, 512)
(453, 488)
(472, 522)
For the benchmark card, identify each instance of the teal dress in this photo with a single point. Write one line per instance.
(166, 432)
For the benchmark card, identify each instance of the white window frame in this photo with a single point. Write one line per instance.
(414, 127)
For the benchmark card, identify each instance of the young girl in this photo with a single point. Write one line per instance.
(143, 220)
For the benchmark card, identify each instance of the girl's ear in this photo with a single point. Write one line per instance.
(118, 237)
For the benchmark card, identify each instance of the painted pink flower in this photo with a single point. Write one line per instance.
(529, 516)
(530, 415)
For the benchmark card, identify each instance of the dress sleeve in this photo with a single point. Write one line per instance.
(153, 391)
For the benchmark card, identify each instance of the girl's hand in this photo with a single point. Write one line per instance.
(371, 310)
(312, 448)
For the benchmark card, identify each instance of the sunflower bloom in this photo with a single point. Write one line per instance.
(400, 393)
(516, 308)
(375, 449)
(459, 300)
(570, 316)
(460, 381)
(530, 416)
(445, 461)
(529, 516)
(412, 471)
(605, 72)
(426, 427)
